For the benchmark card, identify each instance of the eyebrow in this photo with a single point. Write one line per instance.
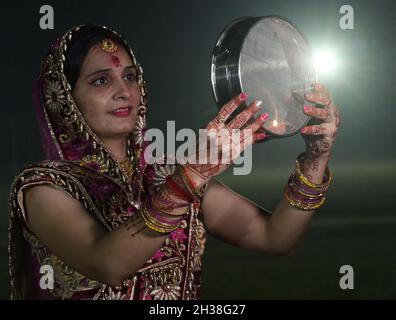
(107, 70)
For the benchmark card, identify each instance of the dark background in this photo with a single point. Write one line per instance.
(173, 41)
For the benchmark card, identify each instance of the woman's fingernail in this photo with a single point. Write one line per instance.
(264, 117)
(243, 96)
(261, 136)
(307, 108)
(259, 103)
(303, 130)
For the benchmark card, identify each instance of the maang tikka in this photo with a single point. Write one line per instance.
(108, 45)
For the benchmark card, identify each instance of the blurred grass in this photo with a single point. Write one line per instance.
(355, 227)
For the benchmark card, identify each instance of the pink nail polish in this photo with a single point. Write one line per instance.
(264, 117)
(307, 108)
(303, 130)
(261, 136)
(243, 96)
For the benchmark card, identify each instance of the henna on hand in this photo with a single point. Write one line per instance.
(319, 139)
(135, 221)
(229, 140)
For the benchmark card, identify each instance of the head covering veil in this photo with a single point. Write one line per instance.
(65, 134)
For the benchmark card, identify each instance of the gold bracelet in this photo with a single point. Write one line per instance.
(157, 228)
(298, 190)
(155, 225)
(309, 183)
(304, 194)
(300, 205)
(155, 221)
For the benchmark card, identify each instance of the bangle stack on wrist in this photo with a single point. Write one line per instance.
(154, 212)
(183, 185)
(304, 194)
(159, 220)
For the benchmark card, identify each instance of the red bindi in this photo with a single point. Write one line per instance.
(115, 61)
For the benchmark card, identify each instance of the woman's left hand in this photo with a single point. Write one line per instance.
(319, 138)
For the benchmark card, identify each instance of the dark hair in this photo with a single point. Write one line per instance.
(82, 41)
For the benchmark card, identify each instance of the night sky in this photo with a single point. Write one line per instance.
(173, 41)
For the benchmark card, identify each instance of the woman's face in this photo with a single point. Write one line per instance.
(107, 92)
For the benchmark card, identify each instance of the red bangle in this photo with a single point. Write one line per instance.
(191, 182)
(179, 191)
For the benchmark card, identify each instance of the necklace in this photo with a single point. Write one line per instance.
(127, 166)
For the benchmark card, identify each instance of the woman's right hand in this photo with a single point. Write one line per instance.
(232, 138)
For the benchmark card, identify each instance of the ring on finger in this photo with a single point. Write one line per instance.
(324, 114)
(221, 118)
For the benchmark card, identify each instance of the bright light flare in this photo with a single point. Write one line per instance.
(325, 61)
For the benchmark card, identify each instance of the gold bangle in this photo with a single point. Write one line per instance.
(154, 221)
(157, 228)
(155, 225)
(309, 183)
(298, 190)
(300, 205)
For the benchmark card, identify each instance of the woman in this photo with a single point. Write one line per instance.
(95, 221)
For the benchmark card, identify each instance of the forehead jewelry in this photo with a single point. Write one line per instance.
(108, 45)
